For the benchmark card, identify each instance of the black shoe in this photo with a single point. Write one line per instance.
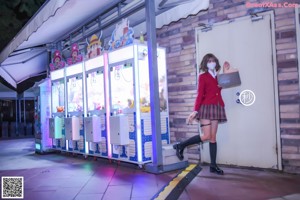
(216, 170)
(179, 151)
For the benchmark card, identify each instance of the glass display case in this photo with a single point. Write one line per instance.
(130, 102)
(74, 127)
(58, 96)
(56, 122)
(122, 90)
(95, 119)
(95, 90)
(75, 94)
(42, 103)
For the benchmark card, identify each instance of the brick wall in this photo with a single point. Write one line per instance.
(179, 39)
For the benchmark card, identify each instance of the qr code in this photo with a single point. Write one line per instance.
(12, 187)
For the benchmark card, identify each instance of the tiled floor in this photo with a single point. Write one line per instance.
(61, 176)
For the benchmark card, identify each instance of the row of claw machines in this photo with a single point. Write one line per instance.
(101, 107)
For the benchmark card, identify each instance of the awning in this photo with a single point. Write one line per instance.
(56, 18)
(20, 67)
(33, 26)
(183, 10)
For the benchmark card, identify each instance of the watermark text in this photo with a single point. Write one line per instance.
(272, 5)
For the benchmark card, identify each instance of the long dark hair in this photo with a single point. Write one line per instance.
(203, 64)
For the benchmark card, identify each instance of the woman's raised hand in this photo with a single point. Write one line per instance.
(226, 66)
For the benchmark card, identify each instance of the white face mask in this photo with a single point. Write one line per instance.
(211, 65)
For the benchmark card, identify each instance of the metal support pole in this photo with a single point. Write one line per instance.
(24, 117)
(156, 165)
(20, 110)
(16, 125)
(20, 118)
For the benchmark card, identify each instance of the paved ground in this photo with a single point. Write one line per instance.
(63, 177)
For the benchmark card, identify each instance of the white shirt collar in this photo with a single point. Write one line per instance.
(214, 73)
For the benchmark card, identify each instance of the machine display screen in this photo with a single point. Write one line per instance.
(75, 97)
(58, 96)
(122, 90)
(95, 90)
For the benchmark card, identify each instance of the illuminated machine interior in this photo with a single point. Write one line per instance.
(75, 108)
(95, 117)
(42, 113)
(56, 122)
(130, 122)
(101, 106)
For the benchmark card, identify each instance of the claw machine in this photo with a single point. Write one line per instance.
(42, 110)
(130, 121)
(56, 122)
(74, 128)
(95, 117)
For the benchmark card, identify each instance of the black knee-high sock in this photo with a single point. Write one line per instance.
(213, 153)
(193, 140)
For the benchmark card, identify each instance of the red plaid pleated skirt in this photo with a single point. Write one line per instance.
(212, 112)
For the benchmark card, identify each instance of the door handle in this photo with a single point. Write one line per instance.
(238, 100)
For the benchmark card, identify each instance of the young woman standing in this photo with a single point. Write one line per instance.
(208, 110)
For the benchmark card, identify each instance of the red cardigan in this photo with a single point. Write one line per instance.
(208, 91)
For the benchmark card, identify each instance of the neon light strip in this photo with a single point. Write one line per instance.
(65, 105)
(86, 148)
(107, 104)
(137, 104)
